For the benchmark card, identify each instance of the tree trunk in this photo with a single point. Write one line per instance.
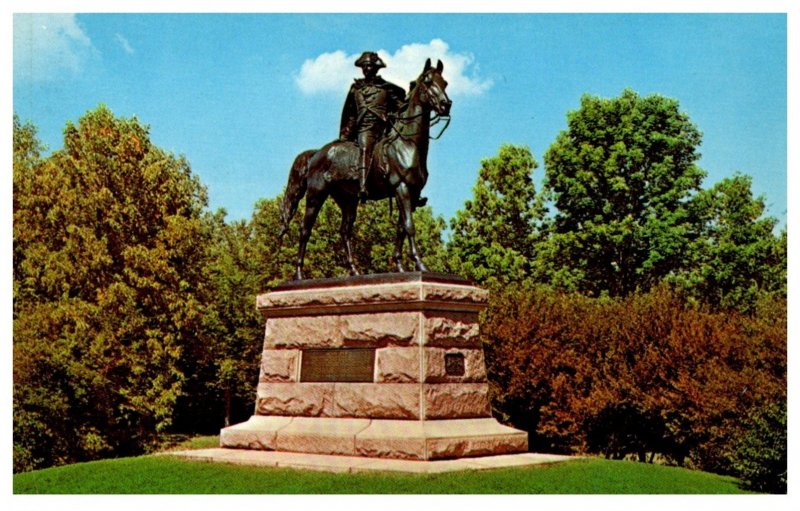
(227, 407)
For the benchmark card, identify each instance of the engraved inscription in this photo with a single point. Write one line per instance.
(454, 364)
(338, 365)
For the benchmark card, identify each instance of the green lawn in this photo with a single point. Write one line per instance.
(164, 475)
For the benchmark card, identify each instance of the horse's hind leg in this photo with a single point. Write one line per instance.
(349, 209)
(407, 216)
(400, 237)
(314, 201)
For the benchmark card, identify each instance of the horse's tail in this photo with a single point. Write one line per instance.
(295, 189)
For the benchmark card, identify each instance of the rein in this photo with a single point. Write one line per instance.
(434, 120)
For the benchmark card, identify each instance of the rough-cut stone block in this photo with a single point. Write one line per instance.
(451, 329)
(475, 366)
(257, 433)
(456, 400)
(378, 401)
(335, 331)
(280, 366)
(399, 293)
(439, 439)
(472, 437)
(321, 435)
(392, 439)
(476, 446)
(435, 371)
(338, 296)
(397, 365)
(295, 399)
(454, 293)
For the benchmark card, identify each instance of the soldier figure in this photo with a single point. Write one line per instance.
(367, 113)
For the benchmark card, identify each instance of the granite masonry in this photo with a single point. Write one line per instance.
(386, 366)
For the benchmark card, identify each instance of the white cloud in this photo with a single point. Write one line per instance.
(334, 72)
(126, 46)
(48, 45)
(328, 72)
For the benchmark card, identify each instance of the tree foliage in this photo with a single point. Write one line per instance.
(620, 178)
(736, 257)
(759, 456)
(222, 371)
(373, 243)
(108, 262)
(493, 237)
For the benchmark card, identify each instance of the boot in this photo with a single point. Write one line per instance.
(362, 184)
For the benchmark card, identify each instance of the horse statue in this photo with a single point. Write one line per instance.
(398, 169)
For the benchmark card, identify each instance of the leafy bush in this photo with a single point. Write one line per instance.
(641, 376)
(759, 456)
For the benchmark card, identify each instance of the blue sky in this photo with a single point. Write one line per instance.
(241, 94)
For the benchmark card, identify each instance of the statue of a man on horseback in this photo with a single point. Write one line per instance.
(369, 108)
(389, 133)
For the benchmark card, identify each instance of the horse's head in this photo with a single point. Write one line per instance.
(431, 88)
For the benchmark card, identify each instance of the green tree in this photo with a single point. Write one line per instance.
(109, 250)
(221, 384)
(492, 240)
(26, 145)
(620, 177)
(737, 257)
(375, 233)
(374, 236)
(27, 158)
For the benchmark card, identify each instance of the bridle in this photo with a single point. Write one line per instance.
(434, 120)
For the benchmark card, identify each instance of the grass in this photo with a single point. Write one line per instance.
(195, 442)
(164, 475)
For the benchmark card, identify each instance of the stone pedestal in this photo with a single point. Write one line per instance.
(381, 365)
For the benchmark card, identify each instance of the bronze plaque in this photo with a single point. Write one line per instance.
(338, 365)
(454, 364)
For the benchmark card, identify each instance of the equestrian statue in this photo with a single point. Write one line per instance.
(381, 153)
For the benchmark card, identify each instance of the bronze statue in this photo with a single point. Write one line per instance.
(397, 168)
(368, 109)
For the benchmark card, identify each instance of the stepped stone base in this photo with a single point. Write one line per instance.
(376, 438)
(360, 464)
(381, 366)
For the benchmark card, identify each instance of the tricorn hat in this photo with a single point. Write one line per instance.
(369, 57)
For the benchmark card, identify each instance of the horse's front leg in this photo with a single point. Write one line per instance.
(349, 210)
(407, 215)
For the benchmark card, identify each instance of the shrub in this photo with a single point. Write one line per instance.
(759, 456)
(639, 376)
